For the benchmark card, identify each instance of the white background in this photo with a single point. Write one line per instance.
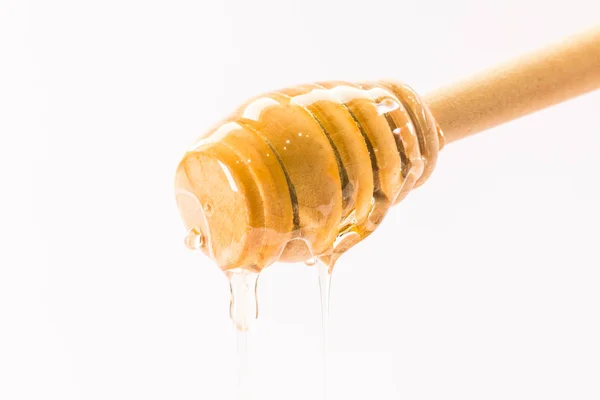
(483, 284)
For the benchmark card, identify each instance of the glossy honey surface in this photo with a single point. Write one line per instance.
(305, 172)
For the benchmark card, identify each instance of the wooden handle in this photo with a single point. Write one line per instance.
(518, 88)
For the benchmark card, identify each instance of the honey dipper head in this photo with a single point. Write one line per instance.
(305, 171)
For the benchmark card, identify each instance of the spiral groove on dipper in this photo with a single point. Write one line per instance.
(306, 171)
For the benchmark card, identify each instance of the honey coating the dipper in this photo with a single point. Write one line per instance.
(304, 172)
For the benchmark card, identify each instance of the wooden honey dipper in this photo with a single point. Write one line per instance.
(310, 171)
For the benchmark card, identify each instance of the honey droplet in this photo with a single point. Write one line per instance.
(244, 305)
(311, 261)
(193, 240)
